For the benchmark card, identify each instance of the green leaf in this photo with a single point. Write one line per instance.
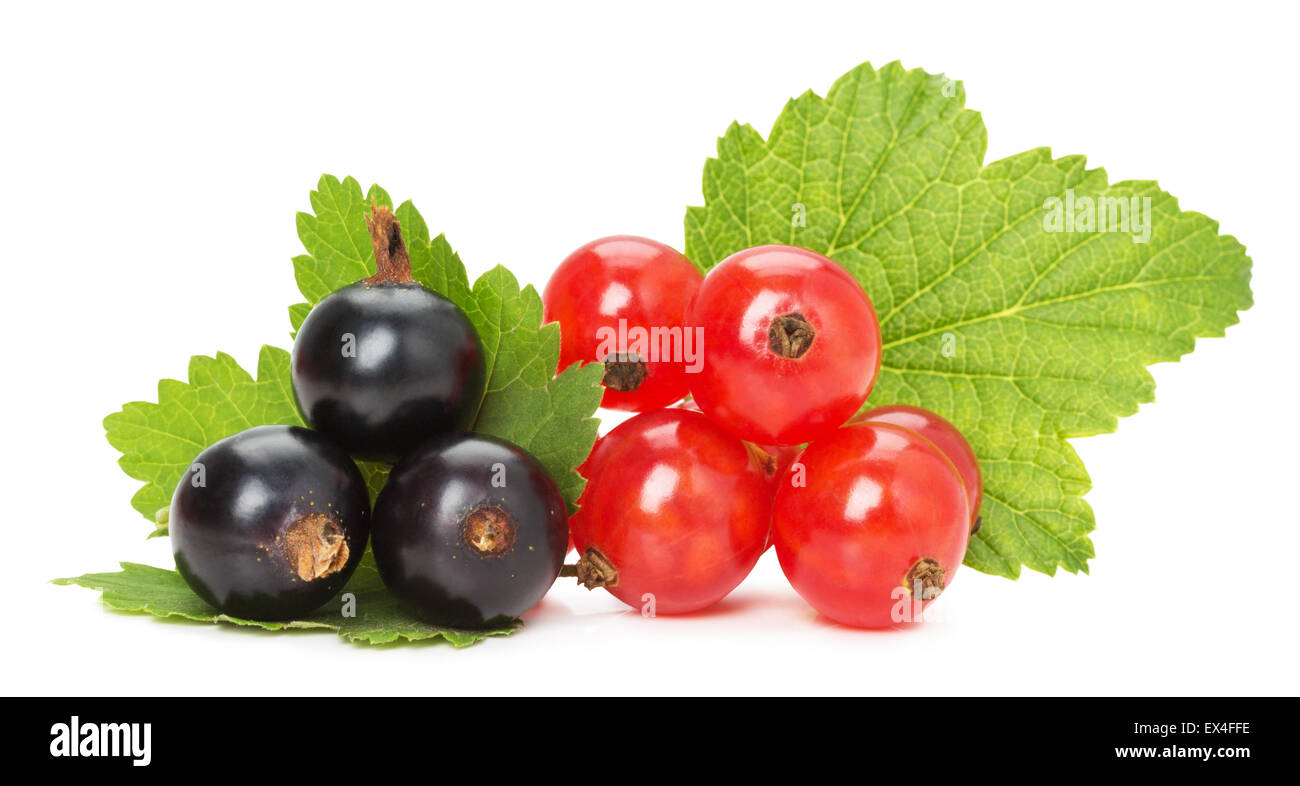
(1020, 335)
(336, 238)
(379, 617)
(525, 403)
(159, 441)
(297, 313)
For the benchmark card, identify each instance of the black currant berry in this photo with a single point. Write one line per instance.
(384, 364)
(268, 524)
(469, 531)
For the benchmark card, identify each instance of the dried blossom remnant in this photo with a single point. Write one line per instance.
(315, 547)
(488, 531)
(624, 372)
(790, 336)
(925, 578)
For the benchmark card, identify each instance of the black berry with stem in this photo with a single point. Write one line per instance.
(268, 524)
(384, 364)
(469, 531)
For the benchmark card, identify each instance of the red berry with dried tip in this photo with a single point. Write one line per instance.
(622, 301)
(675, 513)
(871, 524)
(791, 345)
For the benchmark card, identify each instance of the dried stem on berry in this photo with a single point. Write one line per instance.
(392, 262)
(766, 461)
(790, 336)
(592, 570)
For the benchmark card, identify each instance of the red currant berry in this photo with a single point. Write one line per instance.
(622, 301)
(791, 345)
(675, 514)
(878, 527)
(943, 434)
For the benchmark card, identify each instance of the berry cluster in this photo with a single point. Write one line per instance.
(745, 383)
(469, 530)
(778, 348)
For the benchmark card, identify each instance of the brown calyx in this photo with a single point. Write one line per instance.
(392, 262)
(925, 578)
(592, 570)
(315, 547)
(976, 524)
(488, 531)
(790, 336)
(624, 372)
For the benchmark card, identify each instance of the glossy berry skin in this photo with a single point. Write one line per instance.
(677, 506)
(642, 283)
(943, 434)
(791, 345)
(879, 528)
(269, 524)
(380, 368)
(469, 531)
(774, 459)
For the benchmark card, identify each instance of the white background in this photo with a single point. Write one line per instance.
(154, 157)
